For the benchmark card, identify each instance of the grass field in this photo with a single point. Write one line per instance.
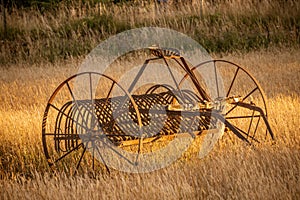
(41, 48)
(74, 28)
(232, 170)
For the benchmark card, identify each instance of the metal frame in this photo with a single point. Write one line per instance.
(83, 122)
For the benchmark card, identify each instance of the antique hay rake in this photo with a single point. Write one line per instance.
(76, 127)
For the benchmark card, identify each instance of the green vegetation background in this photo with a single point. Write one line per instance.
(51, 30)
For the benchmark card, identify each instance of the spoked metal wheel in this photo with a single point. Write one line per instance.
(245, 104)
(81, 118)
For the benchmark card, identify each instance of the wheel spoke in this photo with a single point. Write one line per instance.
(232, 82)
(250, 94)
(216, 77)
(234, 107)
(102, 159)
(107, 97)
(231, 109)
(238, 81)
(91, 86)
(80, 159)
(93, 118)
(63, 156)
(76, 122)
(76, 103)
(118, 153)
(77, 117)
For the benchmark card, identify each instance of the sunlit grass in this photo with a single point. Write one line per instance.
(232, 170)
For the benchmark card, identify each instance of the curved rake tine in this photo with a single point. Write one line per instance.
(58, 125)
(76, 122)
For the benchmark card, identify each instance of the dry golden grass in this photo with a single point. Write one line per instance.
(233, 170)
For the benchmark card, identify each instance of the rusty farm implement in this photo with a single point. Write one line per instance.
(213, 97)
